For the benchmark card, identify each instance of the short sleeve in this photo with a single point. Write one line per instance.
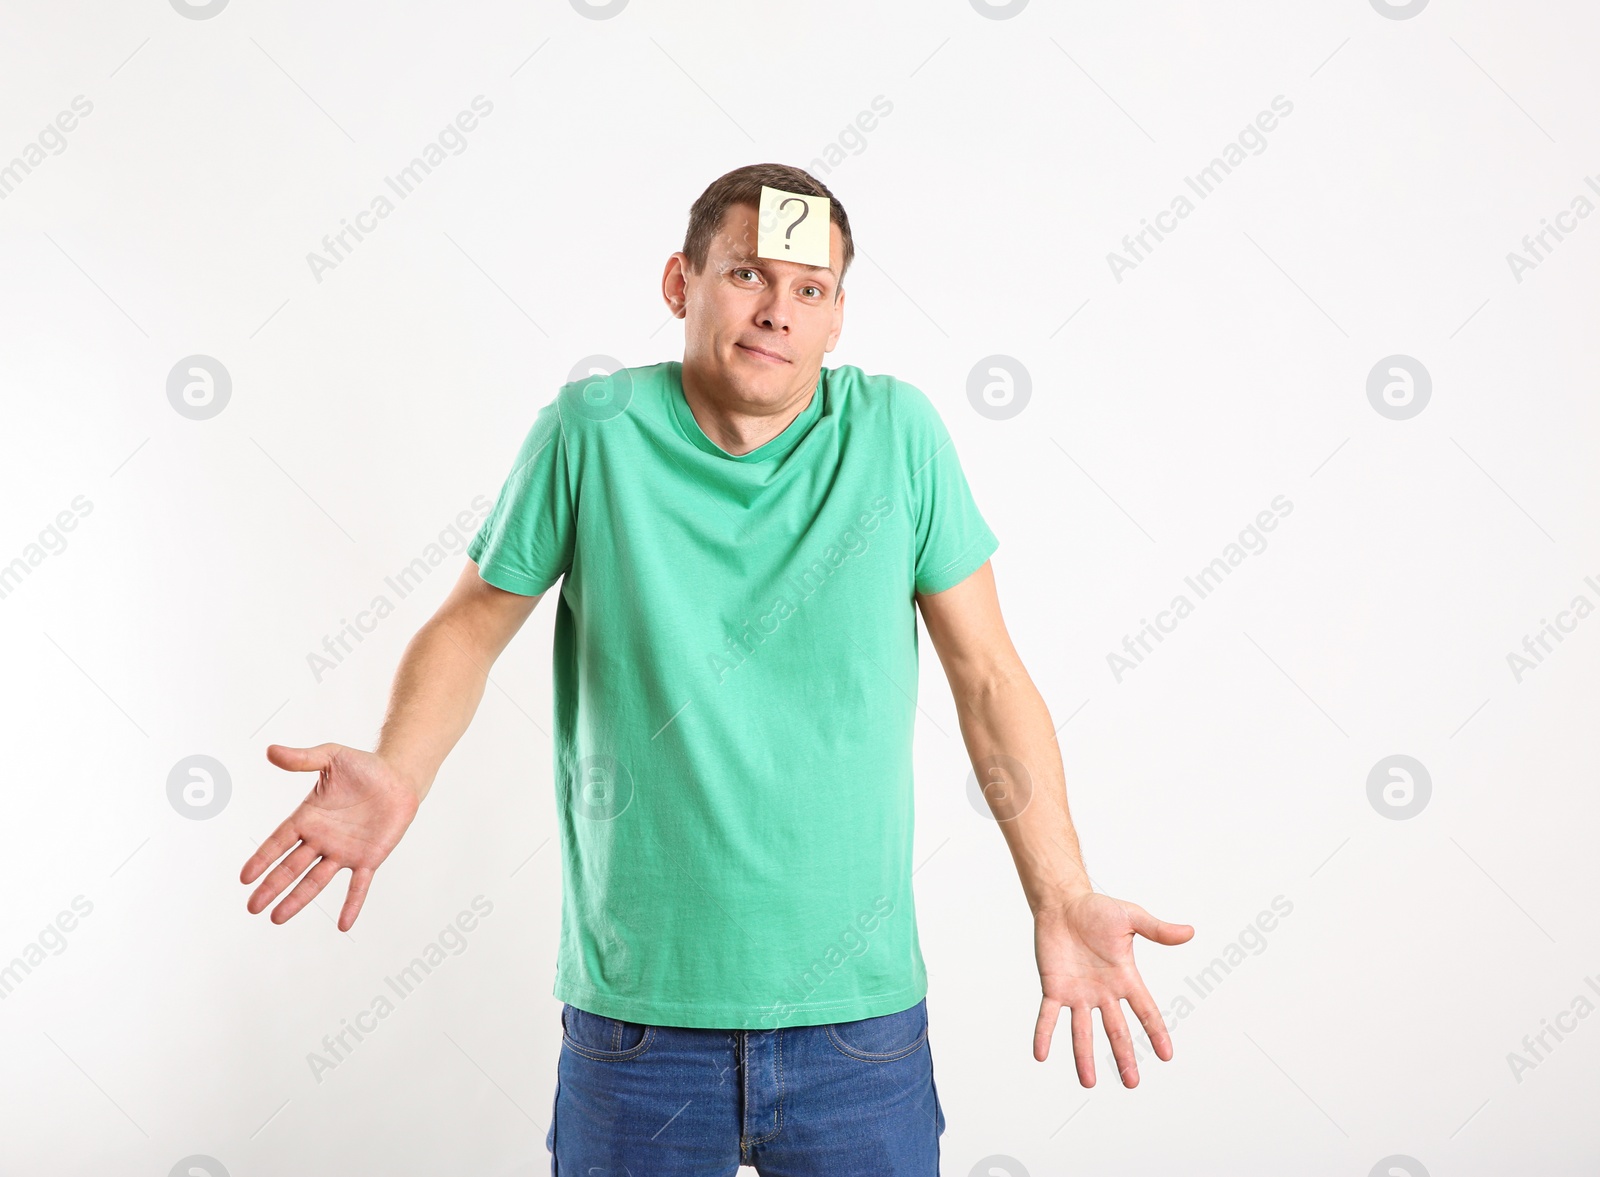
(525, 544)
(951, 540)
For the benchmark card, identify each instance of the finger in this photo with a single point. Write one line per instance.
(313, 759)
(1044, 1027)
(1083, 1043)
(280, 877)
(360, 880)
(1116, 1028)
(315, 880)
(279, 841)
(1158, 930)
(1144, 1008)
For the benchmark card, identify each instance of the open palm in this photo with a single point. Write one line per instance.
(353, 817)
(1084, 950)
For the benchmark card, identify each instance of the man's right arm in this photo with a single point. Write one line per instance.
(442, 675)
(363, 802)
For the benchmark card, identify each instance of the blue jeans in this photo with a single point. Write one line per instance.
(833, 1100)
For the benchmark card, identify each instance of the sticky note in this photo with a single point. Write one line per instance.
(793, 227)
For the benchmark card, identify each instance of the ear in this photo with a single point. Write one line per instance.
(675, 284)
(838, 321)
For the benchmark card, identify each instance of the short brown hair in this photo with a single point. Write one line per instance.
(743, 186)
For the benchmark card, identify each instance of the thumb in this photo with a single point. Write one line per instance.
(302, 759)
(1158, 930)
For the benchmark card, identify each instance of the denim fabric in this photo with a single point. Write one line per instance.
(834, 1100)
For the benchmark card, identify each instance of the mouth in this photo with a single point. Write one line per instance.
(761, 353)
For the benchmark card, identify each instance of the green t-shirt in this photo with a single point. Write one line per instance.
(735, 679)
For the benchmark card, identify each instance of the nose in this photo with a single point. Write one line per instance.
(775, 312)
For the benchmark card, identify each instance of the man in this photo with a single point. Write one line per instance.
(744, 537)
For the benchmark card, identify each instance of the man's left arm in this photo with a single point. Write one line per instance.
(1083, 940)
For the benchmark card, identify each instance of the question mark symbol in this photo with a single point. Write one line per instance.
(805, 209)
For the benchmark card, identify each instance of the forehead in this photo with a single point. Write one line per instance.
(735, 242)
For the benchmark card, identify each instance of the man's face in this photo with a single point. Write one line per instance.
(754, 326)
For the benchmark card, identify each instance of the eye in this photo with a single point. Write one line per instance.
(818, 289)
(742, 270)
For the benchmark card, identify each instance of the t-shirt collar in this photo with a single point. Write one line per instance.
(774, 448)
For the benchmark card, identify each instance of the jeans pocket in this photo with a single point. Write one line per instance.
(882, 1039)
(603, 1039)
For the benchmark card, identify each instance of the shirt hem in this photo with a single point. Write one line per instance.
(515, 582)
(938, 584)
(731, 1016)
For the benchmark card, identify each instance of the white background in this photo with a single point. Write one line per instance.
(1168, 409)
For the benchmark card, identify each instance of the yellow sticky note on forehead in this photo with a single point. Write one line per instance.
(793, 227)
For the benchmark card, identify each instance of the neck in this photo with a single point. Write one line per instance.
(736, 424)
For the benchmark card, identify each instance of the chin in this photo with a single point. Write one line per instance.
(762, 386)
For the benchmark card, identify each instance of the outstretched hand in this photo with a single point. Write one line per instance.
(353, 817)
(1084, 949)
